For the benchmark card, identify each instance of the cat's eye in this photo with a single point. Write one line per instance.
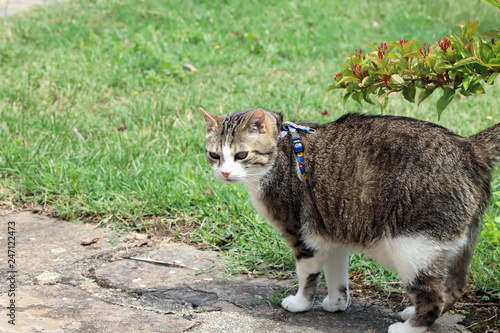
(214, 155)
(241, 155)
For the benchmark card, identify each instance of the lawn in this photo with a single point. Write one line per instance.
(99, 107)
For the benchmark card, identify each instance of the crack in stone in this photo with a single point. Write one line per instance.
(196, 298)
(103, 283)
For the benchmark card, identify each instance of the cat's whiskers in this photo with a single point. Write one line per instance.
(252, 184)
(255, 179)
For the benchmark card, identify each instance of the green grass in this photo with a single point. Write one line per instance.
(91, 65)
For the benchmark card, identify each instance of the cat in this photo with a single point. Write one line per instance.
(408, 193)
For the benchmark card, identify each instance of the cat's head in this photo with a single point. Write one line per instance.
(241, 146)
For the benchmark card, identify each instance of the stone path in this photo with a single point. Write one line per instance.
(63, 286)
(11, 7)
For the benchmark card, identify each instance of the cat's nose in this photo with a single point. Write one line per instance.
(226, 174)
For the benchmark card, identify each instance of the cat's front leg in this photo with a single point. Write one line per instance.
(336, 267)
(308, 272)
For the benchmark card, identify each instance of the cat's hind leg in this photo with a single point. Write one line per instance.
(336, 267)
(422, 265)
(434, 290)
(308, 272)
(426, 292)
(456, 278)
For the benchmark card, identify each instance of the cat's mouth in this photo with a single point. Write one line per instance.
(230, 181)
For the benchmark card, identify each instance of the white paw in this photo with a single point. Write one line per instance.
(397, 328)
(296, 304)
(407, 313)
(336, 304)
(406, 328)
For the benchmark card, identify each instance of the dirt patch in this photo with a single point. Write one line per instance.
(481, 309)
(178, 229)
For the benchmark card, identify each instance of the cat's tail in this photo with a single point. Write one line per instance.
(489, 141)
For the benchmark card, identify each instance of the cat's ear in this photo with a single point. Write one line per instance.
(257, 122)
(211, 119)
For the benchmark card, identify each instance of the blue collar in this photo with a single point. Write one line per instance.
(289, 127)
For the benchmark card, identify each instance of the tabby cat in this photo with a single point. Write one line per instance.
(408, 193)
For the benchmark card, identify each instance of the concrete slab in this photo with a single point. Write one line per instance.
(66, 309)
(58, 285)
(55, 243)
(11, 7)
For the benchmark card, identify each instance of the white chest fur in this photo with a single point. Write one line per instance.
(257, 202)
(260, 206)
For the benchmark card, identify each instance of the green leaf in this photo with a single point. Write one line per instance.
(488, 51)
(357, 97)
(491, 34)
(383, 100)
(413, 54)
(407, 48)
(493, 2)
(424, 94)
(373, 47)
(347, 90)
(465, 93)
(409, 93)
(476, 89)
(467, 61)
(333, 87)
(464, 53)
(466, 82)
(367, 81)
(444, 100)
(396, 45)
(492, 78)
(375, 60)
(398, 80)
(469, 30)
(366, 96)
(346, 97)
(464, 30)
(477, 48)
(457, 43)
(494, 62)
(348, 79)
